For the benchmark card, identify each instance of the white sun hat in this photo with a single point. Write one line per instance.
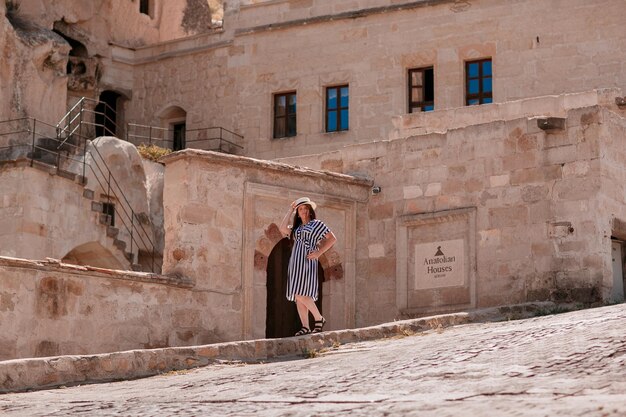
(305, 200)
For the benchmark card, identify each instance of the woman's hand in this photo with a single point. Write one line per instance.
(314, 255)
(326, 243)
(284, 227)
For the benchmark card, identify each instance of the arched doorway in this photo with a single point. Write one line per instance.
(174, 120)
(93, 254)
(281, 314)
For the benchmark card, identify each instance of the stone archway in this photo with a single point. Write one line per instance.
(281, 314)
(266, 247)
(174, 120)
(92, 254)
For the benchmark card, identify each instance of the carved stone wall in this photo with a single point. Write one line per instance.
(81, 310)
(546, 204)
(220, 226)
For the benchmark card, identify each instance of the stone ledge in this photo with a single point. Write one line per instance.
(56, 265)
(351, 14)
(44, 373)
(244, 161)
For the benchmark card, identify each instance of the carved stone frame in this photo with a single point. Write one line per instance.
(339, 263)
(403, 224)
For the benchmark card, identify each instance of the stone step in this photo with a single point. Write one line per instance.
(113, 232)
(89, 194)
(47, 157)
(66, 174)
(105, 219)
(120, 244)
(50, 169)
(56, 145)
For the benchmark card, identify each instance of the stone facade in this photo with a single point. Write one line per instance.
(49, 309)
(221, 224)
(63, 50)
(455, 209)
(536, 208)
(51, 212)
(229, 78)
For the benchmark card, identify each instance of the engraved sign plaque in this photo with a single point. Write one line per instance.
(440, 264)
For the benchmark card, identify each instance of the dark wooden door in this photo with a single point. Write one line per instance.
(282, 316)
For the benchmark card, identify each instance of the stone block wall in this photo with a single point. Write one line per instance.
(49, 309)
(613, 188)
(544, 204)
(221, 224)
(229, 79)
(45, 215)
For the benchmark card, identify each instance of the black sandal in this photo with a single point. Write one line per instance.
(319, 325)
(303, 331)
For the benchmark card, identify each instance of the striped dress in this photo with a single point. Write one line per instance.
(303, 279)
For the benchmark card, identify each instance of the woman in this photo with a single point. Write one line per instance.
(310, 238)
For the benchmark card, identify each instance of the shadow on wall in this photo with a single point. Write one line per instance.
(92, 254)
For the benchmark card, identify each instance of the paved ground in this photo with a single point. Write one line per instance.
(571, 364)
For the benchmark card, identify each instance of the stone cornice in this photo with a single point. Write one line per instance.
(55, 265)
(226, 159)
(160, 51)
(352, 14)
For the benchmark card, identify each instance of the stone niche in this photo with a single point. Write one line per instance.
(436, 261)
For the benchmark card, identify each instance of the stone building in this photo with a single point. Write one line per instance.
(467, 154)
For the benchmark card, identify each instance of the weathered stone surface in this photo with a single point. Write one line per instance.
(349, 373)
(77, 309)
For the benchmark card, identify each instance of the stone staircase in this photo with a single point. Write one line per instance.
(112, 232)
(104, 220)
(66, 149)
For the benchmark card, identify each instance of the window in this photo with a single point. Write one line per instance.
(144, 7)
(421, 89)
(337, 103)
(478, 85)
(109, 210)
(284, 115)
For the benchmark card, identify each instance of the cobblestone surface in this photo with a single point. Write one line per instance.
(571, 364)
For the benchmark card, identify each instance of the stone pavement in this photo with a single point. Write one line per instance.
(571, 364)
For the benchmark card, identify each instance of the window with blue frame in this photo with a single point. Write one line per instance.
(284, 115)
(421, 89)
(337, 108)
(478, 82)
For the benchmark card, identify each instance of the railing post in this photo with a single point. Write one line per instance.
(150, 136)
(132, 227)
(32, 154)
(80, 135)
(109, 186)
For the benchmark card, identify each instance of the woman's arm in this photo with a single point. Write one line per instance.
(284, 225)
(327, 242)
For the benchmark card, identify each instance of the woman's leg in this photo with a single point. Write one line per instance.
(303, 313)
(306, 304)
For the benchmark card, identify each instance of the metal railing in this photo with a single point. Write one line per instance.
(58, 146)
(207, 138)
(34, 139)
